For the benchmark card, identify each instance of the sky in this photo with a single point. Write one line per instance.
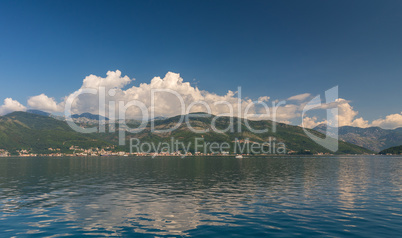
(276, 49)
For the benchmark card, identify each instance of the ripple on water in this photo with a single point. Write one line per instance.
(338, 196)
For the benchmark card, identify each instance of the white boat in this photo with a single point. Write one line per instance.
(239, 157)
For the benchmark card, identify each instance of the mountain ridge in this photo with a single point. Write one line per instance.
(23, 130)
(89, 116)
(372, 138)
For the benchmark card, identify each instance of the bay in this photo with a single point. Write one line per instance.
(334, 196)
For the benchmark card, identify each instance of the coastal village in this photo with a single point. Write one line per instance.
(103, 152)
(76, 151)
(110, 151)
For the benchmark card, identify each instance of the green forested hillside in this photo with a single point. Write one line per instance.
(293, 136)
(396, 150)
(21, 130)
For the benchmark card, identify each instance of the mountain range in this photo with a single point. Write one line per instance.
(372, 138)
(24, 130)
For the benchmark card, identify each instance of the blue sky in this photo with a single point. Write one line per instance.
(274, 48)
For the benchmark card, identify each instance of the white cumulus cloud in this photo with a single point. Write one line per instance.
(171, 95)
(11, 105)
(44, 103)
(175, 97)
(347, 115)
(311, 122)
(113, 80)
(389, 122)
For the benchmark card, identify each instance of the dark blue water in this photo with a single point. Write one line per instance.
(310, 196)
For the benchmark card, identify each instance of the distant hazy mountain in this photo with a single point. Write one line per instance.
(38, 112)
(86, 115)
(372, 138)
(89, 116)
(21, 130)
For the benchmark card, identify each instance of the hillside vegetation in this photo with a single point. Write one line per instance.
(21, 130)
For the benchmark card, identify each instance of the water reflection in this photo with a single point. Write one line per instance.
(193, 196)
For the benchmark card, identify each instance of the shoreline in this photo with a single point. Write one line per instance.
(207, 156)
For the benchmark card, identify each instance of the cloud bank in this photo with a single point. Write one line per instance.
(118, 88)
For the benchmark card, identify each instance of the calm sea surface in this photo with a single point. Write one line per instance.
(281, 197)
